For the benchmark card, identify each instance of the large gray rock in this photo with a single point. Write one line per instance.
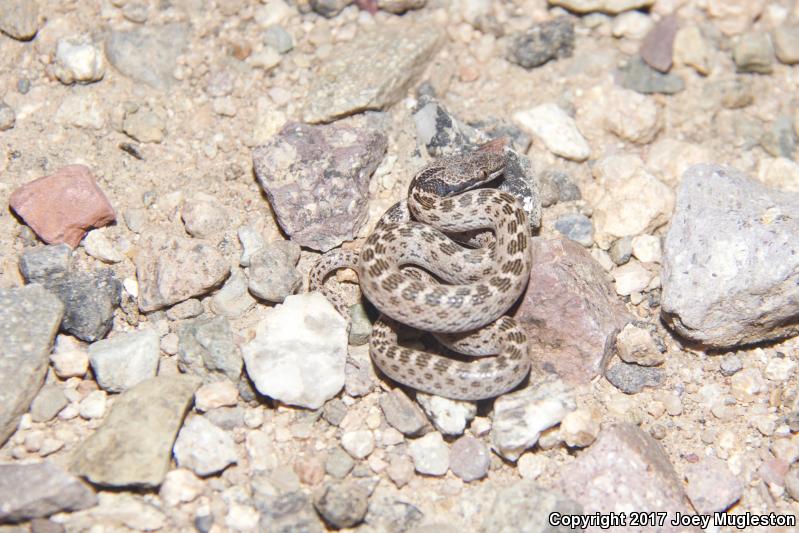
(35, 490)
(730, 267)
(149, 54)
(29, 319)
(90, 299)
(133, 447)
(317, 180)
(373, 71)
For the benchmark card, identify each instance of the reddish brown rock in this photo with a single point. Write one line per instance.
(62, 206)
(658, 45)
(570, 311)
(626, 469)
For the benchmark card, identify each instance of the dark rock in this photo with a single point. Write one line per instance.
(47, 262)
(317, 180)
(570, 311)
(329, 8)
(287, 513)
(542, 42)
(40, 489)
(342, 504)
(403, 414)
(632, 379)
(656, 48)
(642, 78)
(89, 302)
(576, 227)
(780, 139)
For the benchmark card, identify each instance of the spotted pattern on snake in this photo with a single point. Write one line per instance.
(416, 275)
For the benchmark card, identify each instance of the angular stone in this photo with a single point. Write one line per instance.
(287, 512)
(656, 48)
(642, 78)
(430, 454)
(61, 207)
(786, 44)
(403, 414)
(19, 19)
(203, 447)
(570, 311)
(36, 490)
(207, 350)
(373, 71)
(125, 360)
(449, 416)
(172, 269)
(133, 446)
(624, 469)
(556, 129)
(273, 275)
(711, 486)
(317, 180)
(233, 299)
(78, 59)
(542, 42)
(525, 507)
(50, 400)
(148, 54)
(754, 53)
(730, 275)
(90, 300)
(47, 262)
(632, 379)
(29, 319)
(299, 352)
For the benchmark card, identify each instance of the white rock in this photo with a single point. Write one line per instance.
(81, 111)
(448, 416)
(531, 465)
(69, 358)
(631, 116)
(579, 428)
(272, 12)
(779, 368)
(266, 59)
(131, 286)
(780, 173)
(299, 352)
(78, 59)
(359, 443)
(668, 159)
(636, 345)
(203, 447)
(632, 25)
(557, 130)
(631, 277)
(520, 417)
(180, 486)
(646, 248)
(747, 384)
(125, 360)
(203, 215)
(100, 247)
(93, 405)
(430, 454)
(261, 451)
(217, 394)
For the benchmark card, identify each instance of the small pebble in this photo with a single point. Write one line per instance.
(754, 53)
(469, 458)
(430, 454)
(342, 504)
(730, 364)
(359, 443)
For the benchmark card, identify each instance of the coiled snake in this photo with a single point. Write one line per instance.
(480, 284)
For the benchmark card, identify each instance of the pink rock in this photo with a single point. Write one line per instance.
(570, 311)
(657, 47)
(62, 206)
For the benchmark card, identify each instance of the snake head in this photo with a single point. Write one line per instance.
(448, 176)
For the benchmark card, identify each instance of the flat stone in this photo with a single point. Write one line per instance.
(149, 54)
(729, 272)
(37, 490)
(8, 117)
(711, 486)
(754, 53)
(625, 468)
(98, 245)
(636, 345)
(207, 349)
(203, 447)
(347, 84)
(520, 417)
(145, 125)
(691, 48)
(317, 180)
(632, 379)
(786, 44)
(47, 262)
(171, 269)
(430, 454)
(125, 360)
(359, 443)
(48, 402)
(610, 7)
(656, 48)
(404, 414)
(526, 507)
(570, 311)
(233, 299)
(299, 352)
(61, 207)
(288, 511)
(469, 458)
(90, 300)
(556, 129)
(273, 275)
(29, 319)
(19, 19)
(576, 227)
(133, 446)
(542, 42)
(642, 78)
(203, 216)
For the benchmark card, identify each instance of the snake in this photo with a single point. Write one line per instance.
(420, 268)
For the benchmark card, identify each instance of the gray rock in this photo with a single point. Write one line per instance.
(469, 458)
(40, 489)
(563, 188)
(576, 227)
(125, 360)
(403, 414)
(520, 417)
(520, 140)
(388, 512)
(730, 275)
(48, 403)
(339, 463)
(754, 53)
(186, 309)
(730, 364)
(632, 379)
(780, 139)
(317, 180)
(657, 47)
(148, 55)
(90, 300)
(359, 373)
(19, 19)
(334, 411)
(360, 325)
(204, 447)
(233, 299)
(542, 42)
(448, 416)
(273, 275)
(133, 446)
(172, 269)
(227, 418)
(346, 84)
(29, 319)
(8, 116)
(733, 93)
(329, 8)
(621, 250)
(47, 262)
(279, 39)
(287, 513)
(207, 349)
(430, 454)
(342, 504)
(642, 78)
(524, 507)
(711, 486)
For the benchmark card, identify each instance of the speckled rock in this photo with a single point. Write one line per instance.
(632, 379)
(90, 300)
(317, 180)
(570, 311)
(204, 447)
(342, 504)
(29, 318)
(207, 349)
(125, 360)
(346, 84)
(642, 78)
(469, 458)
(272, 273)
(711, 486)
(403, 414)
(542, 42)
(48, 262)
(734, 231)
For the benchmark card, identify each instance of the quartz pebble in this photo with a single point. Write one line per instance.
(579, 428)
(78, 59)
(359, 443)
(448, 416)
(203, 447)
(430, 454)
(557, 130)
(125, 360)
